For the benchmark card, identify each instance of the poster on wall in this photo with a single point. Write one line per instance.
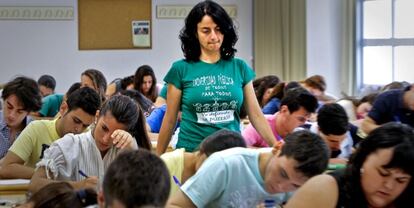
(141, 33)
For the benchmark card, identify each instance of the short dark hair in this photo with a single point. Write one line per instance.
(72, 88)
(84, 98)
(63, 195)
(188, 35)
(299, 97)
(142, 71)
(332, 119)
(26, 90)
(137, 178)
(309, 150)
(399, 137)
(221, 140)
(47, 81)
(261, 84)
(126, 111)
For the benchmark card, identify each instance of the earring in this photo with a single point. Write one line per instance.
(361, 171)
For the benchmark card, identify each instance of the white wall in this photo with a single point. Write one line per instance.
(33, 48)
(324, 36)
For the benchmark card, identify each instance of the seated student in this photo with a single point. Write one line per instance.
(119, 125)
(47, 85)
(263, 88)
(77, 114)
(21, 96)
(145, 82)
(144, 102)
(61, 195)
(332, 126)
(118, 85)
(183, 165)
(357, 109)
(380, 175)
(51, 101)
(295, 109)
(135, 179)
(316, 85)
(241, 177)
(94, 79)
(278, 91)
(392, 105)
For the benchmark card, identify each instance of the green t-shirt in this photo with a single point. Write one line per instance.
(51, 105)
(33, 140)
(212, 95)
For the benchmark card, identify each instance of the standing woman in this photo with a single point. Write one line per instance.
(82, 159)
(209, 86)
(145, 82)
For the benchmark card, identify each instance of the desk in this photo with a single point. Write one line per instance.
(13, 191)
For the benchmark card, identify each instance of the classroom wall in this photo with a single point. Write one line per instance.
(34, 48)
(324, 36)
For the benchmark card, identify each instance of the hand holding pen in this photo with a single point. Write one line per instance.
(88, 182)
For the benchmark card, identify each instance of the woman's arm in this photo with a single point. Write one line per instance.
(319, 191)
(39, 180)
(170, 118)
(256, 116)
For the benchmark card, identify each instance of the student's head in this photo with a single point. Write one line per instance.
(218, 141)
(127, 83)
(315, 84)
(120, 112)
(333, 124)
(21, 96)
(61, 195)
(46, 84)
(79, 110)
(135, 179)
(94, 79)
(296, 107)
(303, 155)
(408, 98)
(365, 105)
(382, 167)
(263, 88)
(146, 82)
(208, 27)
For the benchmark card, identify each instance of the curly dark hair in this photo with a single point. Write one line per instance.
(400, 138)
(26, 90)
(188, 35)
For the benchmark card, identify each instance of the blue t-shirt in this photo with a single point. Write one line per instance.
(389, 106)
(230, 178)
(154, 120)
(272, 106)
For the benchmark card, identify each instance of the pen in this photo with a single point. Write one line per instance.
(83, 174)
(177, 181)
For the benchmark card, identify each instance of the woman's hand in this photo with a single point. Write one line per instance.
(122, 139)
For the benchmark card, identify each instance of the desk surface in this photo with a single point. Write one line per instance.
(13, 191)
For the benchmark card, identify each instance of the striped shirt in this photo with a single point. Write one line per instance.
(72, 153)
(5, 142)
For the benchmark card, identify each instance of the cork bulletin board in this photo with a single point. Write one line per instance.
(108, 24)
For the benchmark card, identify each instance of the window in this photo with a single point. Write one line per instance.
(386, 41)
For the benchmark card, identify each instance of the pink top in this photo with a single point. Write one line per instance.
(253, 138)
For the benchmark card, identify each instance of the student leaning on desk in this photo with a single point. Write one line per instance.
(378, 175)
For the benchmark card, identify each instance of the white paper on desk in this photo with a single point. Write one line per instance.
(14, 181)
